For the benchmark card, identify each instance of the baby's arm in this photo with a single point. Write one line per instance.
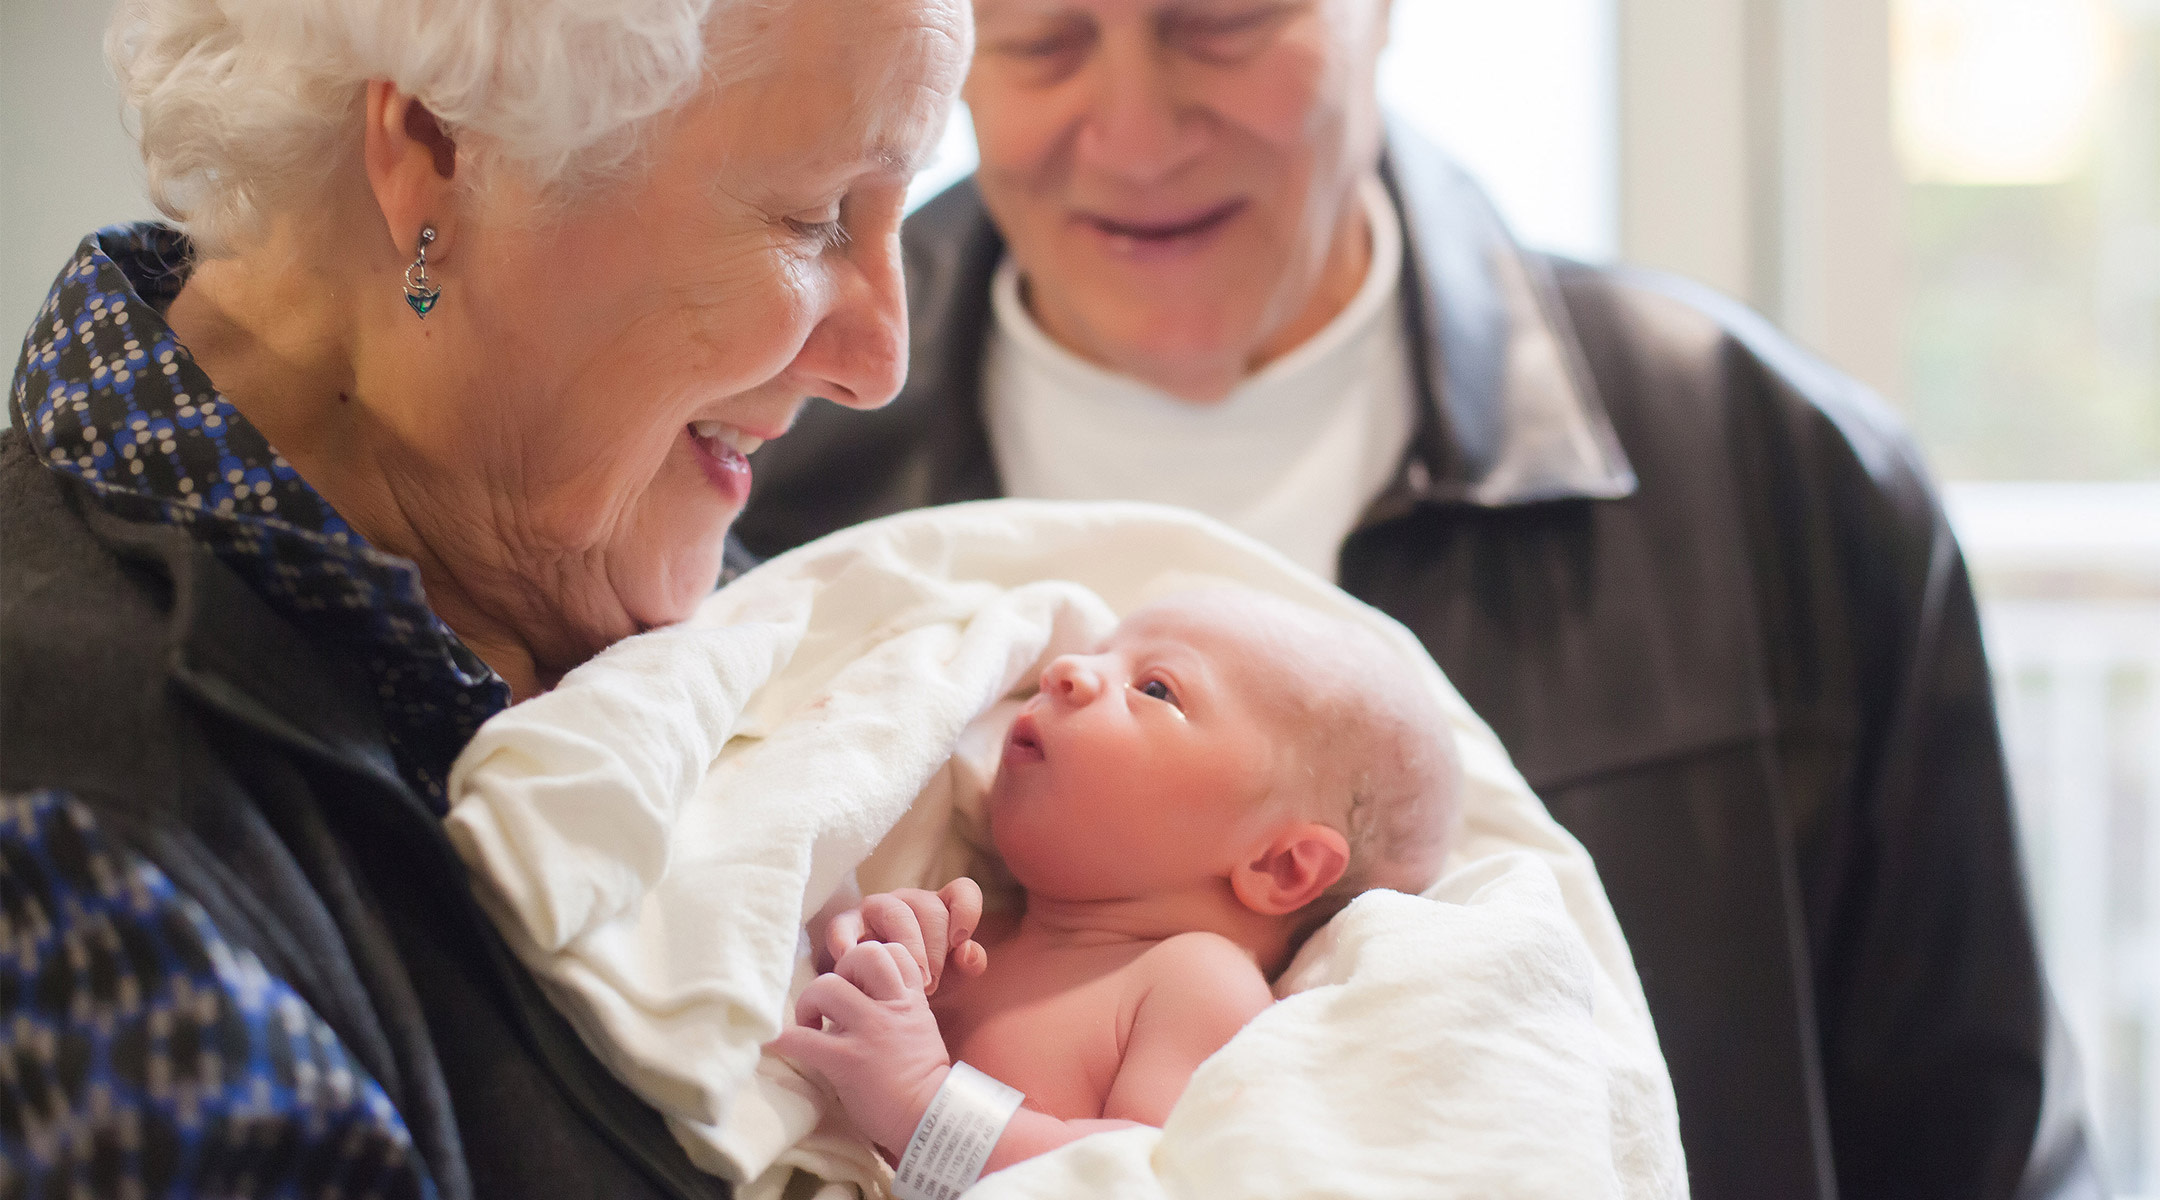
(1198, 990)
(1201, 989)
(886, 1060)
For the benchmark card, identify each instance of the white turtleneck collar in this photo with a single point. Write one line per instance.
(1292, 456)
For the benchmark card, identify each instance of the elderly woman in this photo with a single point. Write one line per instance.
(443, 381)
(1696, 581)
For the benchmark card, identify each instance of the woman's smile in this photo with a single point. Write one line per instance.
(723, 454)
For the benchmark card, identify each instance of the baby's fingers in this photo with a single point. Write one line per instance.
(879, 970)
(806, 1046)
(899, 918)
(969, 958)
(963, 906)
(840, 937)
(831, 997)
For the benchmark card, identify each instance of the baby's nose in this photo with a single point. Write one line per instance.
(1070, 679)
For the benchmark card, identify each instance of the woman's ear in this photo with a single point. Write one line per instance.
(411, 164)
(1291, 869)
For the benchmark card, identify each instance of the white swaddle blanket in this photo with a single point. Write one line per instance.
(653, 834)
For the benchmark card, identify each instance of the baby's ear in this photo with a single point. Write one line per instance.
(1291, 869)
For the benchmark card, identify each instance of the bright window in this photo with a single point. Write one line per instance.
(2028, 134)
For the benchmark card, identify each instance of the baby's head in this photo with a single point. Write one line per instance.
(1229, 734)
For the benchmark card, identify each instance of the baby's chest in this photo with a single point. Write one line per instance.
(1059, 1041)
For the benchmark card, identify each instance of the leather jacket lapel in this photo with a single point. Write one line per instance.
(1513, 415)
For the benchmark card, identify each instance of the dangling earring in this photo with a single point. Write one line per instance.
(419, 292)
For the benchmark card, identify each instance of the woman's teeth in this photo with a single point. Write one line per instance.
(727, 435)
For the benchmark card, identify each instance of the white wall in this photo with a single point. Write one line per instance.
(1756, 157)
(1525, 93)
(66, 164)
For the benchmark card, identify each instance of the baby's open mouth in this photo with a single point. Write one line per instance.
(1024, 741)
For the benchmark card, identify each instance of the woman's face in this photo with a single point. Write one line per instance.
(614, 361)
(1178, 178)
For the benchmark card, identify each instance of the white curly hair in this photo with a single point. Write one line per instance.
(247, 107)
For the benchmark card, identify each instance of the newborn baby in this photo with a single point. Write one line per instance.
(1182, 807)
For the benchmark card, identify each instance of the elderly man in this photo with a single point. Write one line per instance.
(1697, 581)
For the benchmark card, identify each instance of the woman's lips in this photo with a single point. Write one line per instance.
(723, 454)
(1161, 236)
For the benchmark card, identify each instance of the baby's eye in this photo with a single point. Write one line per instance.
(1156, 689)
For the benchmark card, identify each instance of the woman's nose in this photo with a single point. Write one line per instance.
(857, 355)
(1069, 680)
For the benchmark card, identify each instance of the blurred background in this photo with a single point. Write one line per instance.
(1958, 201)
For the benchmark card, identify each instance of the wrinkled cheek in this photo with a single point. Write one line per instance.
(665, 557)
(586, 487)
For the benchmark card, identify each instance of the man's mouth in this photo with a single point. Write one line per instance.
(1165, 230)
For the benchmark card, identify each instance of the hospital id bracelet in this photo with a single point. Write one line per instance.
(955, 1136)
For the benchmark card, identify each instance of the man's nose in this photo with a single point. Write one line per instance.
(1137, 126)
(1070, 680)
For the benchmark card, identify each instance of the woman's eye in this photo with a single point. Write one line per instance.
(825, 235)
(1156, 689)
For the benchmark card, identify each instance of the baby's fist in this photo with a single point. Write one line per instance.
(866, 1027)
(937, 929)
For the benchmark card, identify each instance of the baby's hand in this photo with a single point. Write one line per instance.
(936, 928)
(866, 1027)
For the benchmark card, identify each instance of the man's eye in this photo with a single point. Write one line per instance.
(1044, 47)
(1048, 41)
(1230, 36)
(1156, 689)
(1044, 55)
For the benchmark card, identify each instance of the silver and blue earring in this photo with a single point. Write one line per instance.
(420, 292)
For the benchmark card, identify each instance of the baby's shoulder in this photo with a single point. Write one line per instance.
(1200, 957)
(1197, 986)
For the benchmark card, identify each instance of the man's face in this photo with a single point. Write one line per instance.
(1141, 768)
(1178, 178)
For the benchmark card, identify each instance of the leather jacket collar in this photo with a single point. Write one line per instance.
(1511, 414)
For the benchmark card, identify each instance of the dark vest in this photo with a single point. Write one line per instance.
(209, 735)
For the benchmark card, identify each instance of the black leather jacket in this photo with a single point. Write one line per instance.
(1699, 584)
